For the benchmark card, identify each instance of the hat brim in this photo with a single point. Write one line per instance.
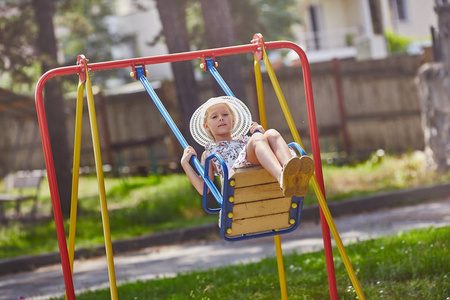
(242, 119)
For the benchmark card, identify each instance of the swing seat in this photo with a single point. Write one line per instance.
(254, 206)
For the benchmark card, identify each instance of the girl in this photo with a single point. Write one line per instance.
(220, 125)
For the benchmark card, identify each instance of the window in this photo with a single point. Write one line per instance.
(314, 40)
(400, 10)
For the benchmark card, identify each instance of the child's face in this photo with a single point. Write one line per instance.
(219, 121)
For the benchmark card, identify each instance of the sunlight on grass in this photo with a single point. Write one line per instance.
(411, 265)
(380, 173)
(143, 205)
(140, 205)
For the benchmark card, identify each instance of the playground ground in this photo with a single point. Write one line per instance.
(368, 218)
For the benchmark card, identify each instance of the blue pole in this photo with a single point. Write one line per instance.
(211, 69)
(140, 73)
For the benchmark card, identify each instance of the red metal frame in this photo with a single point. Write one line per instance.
(79, 69)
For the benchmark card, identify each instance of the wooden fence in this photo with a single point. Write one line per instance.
(360, 107)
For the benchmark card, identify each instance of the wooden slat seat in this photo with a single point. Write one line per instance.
(258, 204)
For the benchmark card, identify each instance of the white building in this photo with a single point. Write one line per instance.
(139, 27)
(331, 28)
(345, 28)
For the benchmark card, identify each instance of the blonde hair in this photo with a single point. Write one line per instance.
(207, 112)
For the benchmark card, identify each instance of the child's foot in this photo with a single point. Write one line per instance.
(296, 175)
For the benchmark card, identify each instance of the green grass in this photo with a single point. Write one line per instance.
(412, 265)
(142, 205)
(137, 206)
(380, 173)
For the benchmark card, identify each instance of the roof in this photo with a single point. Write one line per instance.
(17, 106)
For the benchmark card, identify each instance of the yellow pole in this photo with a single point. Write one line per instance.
(318, 191)
(260, 93)
(337, 239)
(101, 187)
(277, 239)
(75, 175)
(280, 263)
(281, 99)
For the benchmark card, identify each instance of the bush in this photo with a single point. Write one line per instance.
(397, 44)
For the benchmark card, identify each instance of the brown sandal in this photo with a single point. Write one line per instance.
(295, 176)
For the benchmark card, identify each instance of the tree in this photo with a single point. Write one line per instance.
(173, 19)
(272, 18)
(17, 35)
(434, 86)
(46, 48)
(29, 48)
(233, 22)
(219, 32)
(27, 37)
(86, 33)
(83, 22)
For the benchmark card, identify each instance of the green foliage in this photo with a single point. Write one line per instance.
(194, 24)
(272, 18)
(17, 35)
(82, 22)
(87, 31)
(278, 18)
(397, 44)
(84, 32)
(411, 265)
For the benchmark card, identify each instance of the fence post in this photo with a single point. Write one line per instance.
(341, 107)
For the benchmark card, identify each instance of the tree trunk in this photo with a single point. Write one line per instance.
(54, 104)
(434, 86)
(219, 33)
(173, 19)
(434, 89)
(375, 12)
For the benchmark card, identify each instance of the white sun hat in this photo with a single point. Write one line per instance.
(242, 119)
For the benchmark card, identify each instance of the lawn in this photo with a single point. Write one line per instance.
(142, 205)
(412, 265)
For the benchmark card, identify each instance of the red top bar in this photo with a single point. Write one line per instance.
(172, 58)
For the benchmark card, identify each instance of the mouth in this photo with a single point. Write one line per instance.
(221, 125)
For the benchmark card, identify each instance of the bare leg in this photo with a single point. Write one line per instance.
(278, 145)
(259, 152)
(271, 151)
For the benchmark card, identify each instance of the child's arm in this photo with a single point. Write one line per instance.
(194, 178)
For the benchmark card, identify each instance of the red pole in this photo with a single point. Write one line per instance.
(318, 165)
(319, 175)
(61, 235)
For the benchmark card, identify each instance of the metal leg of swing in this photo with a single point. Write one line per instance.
(280, 264)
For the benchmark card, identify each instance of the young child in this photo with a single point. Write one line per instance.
(220, 125)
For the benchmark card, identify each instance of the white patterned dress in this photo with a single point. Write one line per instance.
(232, 152)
